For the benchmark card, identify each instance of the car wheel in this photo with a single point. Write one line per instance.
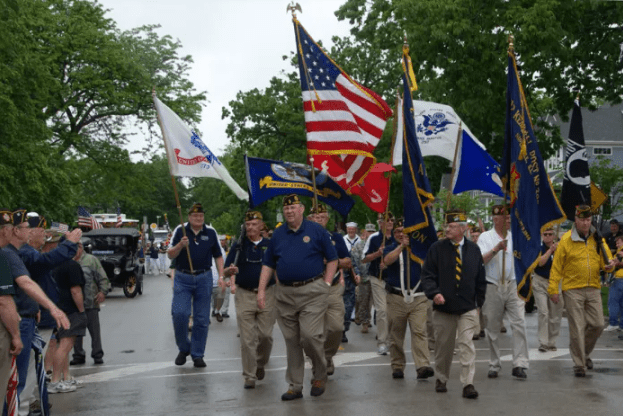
(130, 287)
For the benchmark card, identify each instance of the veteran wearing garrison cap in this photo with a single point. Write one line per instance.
(334, 317)
(255, 325)
(192, 285)
(579, 257)
(453, 276)
(297, 252)
(496, 246)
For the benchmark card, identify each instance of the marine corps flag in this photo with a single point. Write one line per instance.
(576, 186)
(533, 204)
(418, 223)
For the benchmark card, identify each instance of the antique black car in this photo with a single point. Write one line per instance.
(117, 250)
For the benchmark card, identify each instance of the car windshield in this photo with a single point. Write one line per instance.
(110, 244)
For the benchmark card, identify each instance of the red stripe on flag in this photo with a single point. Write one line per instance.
(329, 105)
(367, 105)
(332, 125)
(339, 146)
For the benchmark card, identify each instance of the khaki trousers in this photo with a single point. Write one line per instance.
(430, 329)
(498, 300)
(334, 321)
(399, 314)
(301, 312)
(5, 359)
(549, 313)
(448, 328)
(256, 329)
(379, 299)
(586, 322)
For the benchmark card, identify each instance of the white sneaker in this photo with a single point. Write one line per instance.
(60, 387)
(383, 350)
(611, 328)
(73, 382)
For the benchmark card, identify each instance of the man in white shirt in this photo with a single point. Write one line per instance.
(496, 246)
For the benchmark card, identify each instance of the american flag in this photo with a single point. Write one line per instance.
(344, 120)
(119, 220)
(85, 219)
(59, 226)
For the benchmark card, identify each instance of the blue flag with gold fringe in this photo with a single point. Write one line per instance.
(418, 222)
(267, 179)
(533, 204)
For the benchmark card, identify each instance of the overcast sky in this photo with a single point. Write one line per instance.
(237, 45)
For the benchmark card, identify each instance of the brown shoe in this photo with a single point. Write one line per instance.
(365, 328)
(317, 387)
(425, 372)
(440, 387)
(219, 317)
(260, 373)
(469, 392)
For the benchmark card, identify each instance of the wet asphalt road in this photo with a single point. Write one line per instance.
(140, 378)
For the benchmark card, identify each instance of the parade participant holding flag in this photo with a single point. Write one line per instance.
(457, 289)
(192, 285)
(406, 304)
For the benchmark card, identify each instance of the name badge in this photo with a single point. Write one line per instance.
(204, 238)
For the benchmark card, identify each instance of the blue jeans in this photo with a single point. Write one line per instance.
(191, 293)
(27, 328)
(615, 302)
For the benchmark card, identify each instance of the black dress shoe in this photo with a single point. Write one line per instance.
(291, 395)
(344, 339)
(181, 358)
(482, 333)
(492, 374)
(98, 361)
(260, 373)
(519, 372)
(398, 373)
(440, 387)
(225, 315)
(425, 372)
(199, 363)
(469, 392)
(76, 361)
(579, 372)
(589, 364)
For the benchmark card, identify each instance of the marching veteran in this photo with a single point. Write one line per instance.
(297, 252)
(255, 325)
(192, 286)
(334, 317)
(578, 259)
(496, 246)
(453, 276)
(406, 304)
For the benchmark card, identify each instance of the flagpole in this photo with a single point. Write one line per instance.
(313, 173)
(511, 49)
(177, 198)
(456, 152)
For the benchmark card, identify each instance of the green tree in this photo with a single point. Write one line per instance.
(609, 178)
(459, 54)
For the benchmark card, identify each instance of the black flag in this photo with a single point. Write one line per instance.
(576, 187)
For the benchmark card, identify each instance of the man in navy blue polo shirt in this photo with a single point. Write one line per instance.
(255, 325)
(406, 304)
(192, 286)
(334, 317)
(297, 252)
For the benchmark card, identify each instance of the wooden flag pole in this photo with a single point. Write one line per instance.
(313, 173)
(511, 49)
(177, 198)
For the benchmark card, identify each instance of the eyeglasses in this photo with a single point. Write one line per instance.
(548, 234)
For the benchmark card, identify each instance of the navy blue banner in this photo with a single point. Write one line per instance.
(417, 196)
(270, 178)
(533, 204)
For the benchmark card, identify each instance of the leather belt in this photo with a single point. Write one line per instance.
(394, 291)
(302, 282)
(248, 289)
(193, 273)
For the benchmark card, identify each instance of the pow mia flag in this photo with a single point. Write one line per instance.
(576, 186)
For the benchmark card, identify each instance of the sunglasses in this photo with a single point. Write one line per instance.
(548, 234)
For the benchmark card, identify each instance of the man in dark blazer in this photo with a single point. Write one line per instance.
(453, 276)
